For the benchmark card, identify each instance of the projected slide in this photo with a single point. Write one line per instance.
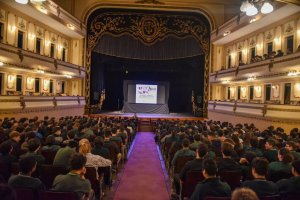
(146, 94)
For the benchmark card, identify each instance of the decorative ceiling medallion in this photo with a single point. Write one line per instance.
(149, 2)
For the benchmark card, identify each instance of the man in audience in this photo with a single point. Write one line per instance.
(15, 138)
(193, 165)
(24, 179)
(260, 185)
(64, 154)
(226, 163)
(6, 150)
(291, 146)
(196, 143)
(271, 154)
(185, 151)
(111, 145)
(291, 185)
(99, 149)
(75, 181)
(211, 186)
(34, 146)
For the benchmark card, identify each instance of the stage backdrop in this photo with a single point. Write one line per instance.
(157, 103)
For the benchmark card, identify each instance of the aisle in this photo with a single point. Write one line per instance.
(143, 177)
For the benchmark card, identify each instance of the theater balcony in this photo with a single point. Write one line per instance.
(41, 60)
(256, 67)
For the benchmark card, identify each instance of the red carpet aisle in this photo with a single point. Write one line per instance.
(143, 178)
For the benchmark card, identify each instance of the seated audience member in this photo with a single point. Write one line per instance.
(291, 185)
(6, 156)
(291, 146)
(51, 145)
(279, 53)
(226, 163)
(185, 151)
(75, 181)
(24, 179)
(109, 144)
(260, 185)
(196, 143)
(254, 146)
(116, 139)
(244, 194)
(7, 193)
(28, 135)
(193, 165)
(211, 186)
(271, 154)
(34, 146)
(92, 160)
(246, 165)
(57, 135)
(99, 149)
(15, 138)
(63, 155)
(281, 168)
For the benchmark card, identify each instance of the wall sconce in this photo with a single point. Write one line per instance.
(277, 40)
(12, 28)
(31, 36)
(48, 43)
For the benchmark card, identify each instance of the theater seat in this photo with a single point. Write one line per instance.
(217, 198)
(49, 172)
(233, 178)
(272, 197)
(54, 195)
(24, 194)
(191, 180)
(49, 156)
(5, 170)
(94, 178)
(180, 162)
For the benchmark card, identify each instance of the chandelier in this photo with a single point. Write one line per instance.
(250, 7)
(32, 1)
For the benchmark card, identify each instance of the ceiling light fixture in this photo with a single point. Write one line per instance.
(68, 76)
(293, 73)
(225, 82)
(251, 78)
(250, 7)
(1, 64)
(32, 1)
(40, 71)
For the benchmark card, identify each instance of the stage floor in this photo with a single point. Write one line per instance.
(182, 116)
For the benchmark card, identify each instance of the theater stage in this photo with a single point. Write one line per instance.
(175, 116)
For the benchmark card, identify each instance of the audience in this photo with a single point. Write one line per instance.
(34, 146)
(64, 154)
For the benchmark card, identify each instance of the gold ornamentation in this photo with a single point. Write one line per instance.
(149, 29)
(149, 2)
(22, 24)
(20, 54)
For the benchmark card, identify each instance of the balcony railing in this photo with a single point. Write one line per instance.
(271, 111)
(28, 103)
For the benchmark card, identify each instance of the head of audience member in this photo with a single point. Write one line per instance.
(227, 149)
(107, 134)
(77, 163)
(260, 168)
(6, 148)
(27, 165)
(185, 143)
(285, 156)
(34, 145)
(15, 136)
(7, 193)
(209, 168)
(84, 146)
(50, 140)
(291, 146)
(98, 141)
(211, 135)
(202, 150)
(270, 144)
(296, 168)
(254, 142)
(197, 137)
(244, 194)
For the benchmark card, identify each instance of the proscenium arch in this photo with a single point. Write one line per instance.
(149, 26)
